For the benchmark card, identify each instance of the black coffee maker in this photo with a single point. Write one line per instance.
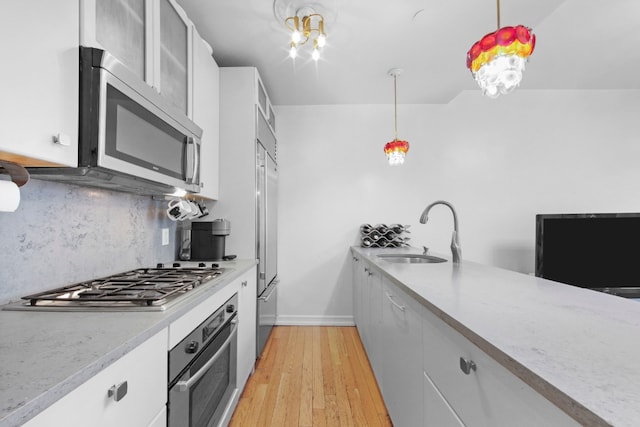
(208, 240)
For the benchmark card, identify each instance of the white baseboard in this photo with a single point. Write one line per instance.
(292, 320)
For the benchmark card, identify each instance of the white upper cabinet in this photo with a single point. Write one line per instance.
(174, 55)
(153, 38)
(124, 29)
(121, 29)
(206, 107)
(264, 105)
(39, 102)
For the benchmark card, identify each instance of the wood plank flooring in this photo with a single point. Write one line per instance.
(312, 376)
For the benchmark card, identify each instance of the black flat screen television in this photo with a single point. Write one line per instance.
(597, 251)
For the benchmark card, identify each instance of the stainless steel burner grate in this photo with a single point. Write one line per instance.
(140, 287)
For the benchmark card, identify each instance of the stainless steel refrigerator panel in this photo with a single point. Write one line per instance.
(267, 227)
(271, 267)
(261, 216)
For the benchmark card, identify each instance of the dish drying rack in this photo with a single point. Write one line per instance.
(384, 236)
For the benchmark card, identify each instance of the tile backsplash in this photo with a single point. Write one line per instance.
(62, 234)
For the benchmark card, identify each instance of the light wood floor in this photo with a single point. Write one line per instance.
(312, 376)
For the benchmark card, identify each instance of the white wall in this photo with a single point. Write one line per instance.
(498, 161)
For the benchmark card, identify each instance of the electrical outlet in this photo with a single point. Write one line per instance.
(165, 236)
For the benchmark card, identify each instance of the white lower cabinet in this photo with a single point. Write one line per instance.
(401, 356)
(480, 390)
(130, 392)
(374, 322)
(418, 362)
(436, 410)
(161, 419)
(367, 298)
(246, 326)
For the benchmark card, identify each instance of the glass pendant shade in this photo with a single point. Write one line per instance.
(396, 151)
(497, 60)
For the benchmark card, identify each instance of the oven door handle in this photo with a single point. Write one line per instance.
(186, 385)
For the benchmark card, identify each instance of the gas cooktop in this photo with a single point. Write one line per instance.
(142, 289)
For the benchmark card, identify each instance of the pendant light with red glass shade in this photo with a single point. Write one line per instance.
(497, 60)
(397, 149)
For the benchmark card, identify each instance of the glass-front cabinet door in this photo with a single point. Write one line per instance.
(174, 57)
(153, 38)
(122, 28)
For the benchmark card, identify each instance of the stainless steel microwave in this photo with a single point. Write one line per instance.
(130, 138)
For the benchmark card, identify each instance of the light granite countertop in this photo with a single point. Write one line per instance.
(578, 348)
(44, 355)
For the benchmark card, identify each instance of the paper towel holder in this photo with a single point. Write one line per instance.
(19, 175)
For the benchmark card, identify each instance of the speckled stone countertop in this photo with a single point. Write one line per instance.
(578, 348)
(44, 355)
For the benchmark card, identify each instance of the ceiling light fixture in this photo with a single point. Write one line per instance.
(306, 25)
(497, 60)
(396, 149)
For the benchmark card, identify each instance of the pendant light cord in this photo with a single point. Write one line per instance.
(498, 1)
(395, 104)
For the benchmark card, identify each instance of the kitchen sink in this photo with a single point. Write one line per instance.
(411, 258)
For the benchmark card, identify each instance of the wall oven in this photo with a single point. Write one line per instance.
(202, 371)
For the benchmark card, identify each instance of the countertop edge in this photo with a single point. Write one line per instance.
(566, 403)
(40, 403)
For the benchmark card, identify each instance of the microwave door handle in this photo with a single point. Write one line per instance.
(192, 160)
(196, 163)
(186, 385)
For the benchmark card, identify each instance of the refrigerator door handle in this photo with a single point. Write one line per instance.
(273, 288)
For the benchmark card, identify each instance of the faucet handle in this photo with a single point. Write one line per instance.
(425, 250)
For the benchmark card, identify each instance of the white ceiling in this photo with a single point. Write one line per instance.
(581, 44)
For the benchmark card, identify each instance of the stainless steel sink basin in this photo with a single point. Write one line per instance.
(411, 258)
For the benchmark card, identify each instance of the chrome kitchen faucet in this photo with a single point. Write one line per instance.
(456, 251)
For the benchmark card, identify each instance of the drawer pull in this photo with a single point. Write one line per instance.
(467, 365)
(117, 392)
(390, 298)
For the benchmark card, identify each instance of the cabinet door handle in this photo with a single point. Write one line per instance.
(117, 392)
(244, 283)
(390, 298)
(467, 365)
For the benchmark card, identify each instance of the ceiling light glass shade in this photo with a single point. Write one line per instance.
(497, 60)
(396, 150)
(315, 55)
(293, 52)
(296, 37)
(322, 40)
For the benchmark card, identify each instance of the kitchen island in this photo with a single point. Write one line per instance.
(573, 347)
(46, 355)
